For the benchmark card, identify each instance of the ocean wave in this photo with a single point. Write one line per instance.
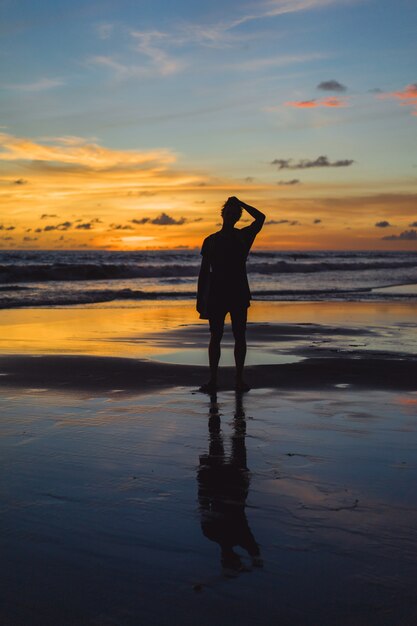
(286, 267)
(27, 273)
(42, 298)
(308, 292)
(13, 288)
(90, 271)
(52, 298)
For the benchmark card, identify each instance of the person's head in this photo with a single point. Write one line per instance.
(231, 211)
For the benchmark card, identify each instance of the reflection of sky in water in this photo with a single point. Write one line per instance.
(112, 480)
(398, 289)
(146, 329)
(199, 357)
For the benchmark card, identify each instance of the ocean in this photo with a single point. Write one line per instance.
(65, 278)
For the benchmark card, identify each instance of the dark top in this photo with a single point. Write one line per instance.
(227, 252)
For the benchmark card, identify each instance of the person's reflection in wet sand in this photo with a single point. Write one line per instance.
(223, 485)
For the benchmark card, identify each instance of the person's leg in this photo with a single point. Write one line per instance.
(239, 318)
(216, 333)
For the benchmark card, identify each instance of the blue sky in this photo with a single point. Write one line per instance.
(226, 88)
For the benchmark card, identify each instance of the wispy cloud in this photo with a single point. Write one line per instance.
(104, 30)
(331, 85)
(62, 226)
(302, 164)
(76, 150)
(161, 220)
(406, 96)
(149, 43)
(218, 35)
(159, 63)
(293, 181)
(329, 102)
(275, 61)
(276, 222)
(159, 49)
(42, 84)
(273, 8)
(279, 7)
(406, 235)
(409, 93)
(72, 177)
(121, 227)
(222, 34)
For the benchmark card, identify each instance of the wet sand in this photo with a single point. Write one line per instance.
(111, 513)
(296, 345)
(132, 375)
(124, 489)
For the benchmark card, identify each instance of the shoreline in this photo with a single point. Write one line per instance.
(107, 374)
(290, 345)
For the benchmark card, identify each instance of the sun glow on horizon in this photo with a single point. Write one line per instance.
(69, 193)
(134, 130)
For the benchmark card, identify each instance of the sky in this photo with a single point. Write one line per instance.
(127, 124)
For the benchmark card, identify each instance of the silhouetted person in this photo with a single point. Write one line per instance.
(223, 484)
(223, 285)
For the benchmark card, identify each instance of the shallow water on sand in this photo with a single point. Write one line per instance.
(114, 507)
(193, 356)
(150, 329)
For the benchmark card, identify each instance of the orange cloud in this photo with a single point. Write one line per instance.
(302, 104)
(79, 151)
(81, 182)
(330, 101)
(407, 96)
(408, 93)
(72, 182)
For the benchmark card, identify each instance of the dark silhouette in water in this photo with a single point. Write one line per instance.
(223, 485)
(223, 285)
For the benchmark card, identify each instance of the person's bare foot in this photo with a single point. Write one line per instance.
(241, 386)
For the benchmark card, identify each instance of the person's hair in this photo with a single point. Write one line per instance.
(232, 203)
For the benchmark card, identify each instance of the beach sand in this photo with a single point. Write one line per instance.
(120, 480)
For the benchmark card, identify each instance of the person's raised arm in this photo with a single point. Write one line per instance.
(255, 213)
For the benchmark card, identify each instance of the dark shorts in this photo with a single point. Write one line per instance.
(238, 315)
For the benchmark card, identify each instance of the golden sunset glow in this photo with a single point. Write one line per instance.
(71, 193)
(132, 133)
